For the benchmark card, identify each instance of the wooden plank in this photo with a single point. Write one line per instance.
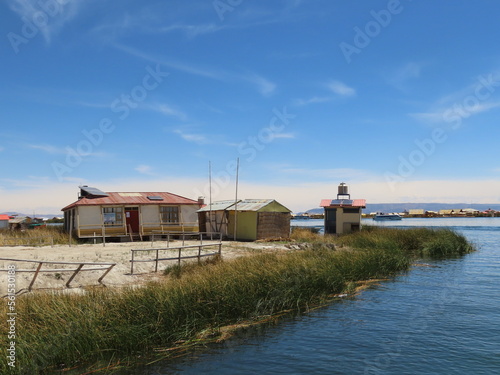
(73, 276)
(35, 275)
(99, 280)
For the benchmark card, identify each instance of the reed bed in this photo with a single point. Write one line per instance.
(107, 325)
(423, 242)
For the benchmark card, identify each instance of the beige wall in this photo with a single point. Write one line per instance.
(150, 215)
(89, 216)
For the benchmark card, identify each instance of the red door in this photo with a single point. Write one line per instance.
(132, 219)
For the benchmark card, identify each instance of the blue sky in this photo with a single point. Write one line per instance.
(400, 99)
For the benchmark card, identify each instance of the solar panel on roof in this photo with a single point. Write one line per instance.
(155, 198)
(341, 202)
(87, 190)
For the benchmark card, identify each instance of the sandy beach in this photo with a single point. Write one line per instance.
(119, 253)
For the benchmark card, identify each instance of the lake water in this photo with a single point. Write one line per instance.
(439, 318)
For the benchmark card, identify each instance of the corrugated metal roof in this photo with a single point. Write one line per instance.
(18, 220)
(252, 205)
(217, 206)
(343, 203)
(243, 205)
(132, 199)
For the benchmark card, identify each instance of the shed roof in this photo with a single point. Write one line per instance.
(4, 217)
(256, 205)
(217, 206)
(244, 205)
(343, 203)
(133, 199)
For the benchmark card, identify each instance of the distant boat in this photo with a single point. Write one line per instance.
(382, 216)
(301, 217)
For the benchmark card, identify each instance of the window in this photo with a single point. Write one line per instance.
(169, 214)
(112, 216)
(351, 210)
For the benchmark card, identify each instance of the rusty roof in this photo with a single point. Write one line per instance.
(343, 203)
(132, 199)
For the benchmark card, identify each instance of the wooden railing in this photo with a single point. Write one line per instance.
(199, 235)
(106, 267)
(179, 256)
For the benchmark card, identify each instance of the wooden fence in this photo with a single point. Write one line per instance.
(198, 235)
(106, 267)
(178, 250)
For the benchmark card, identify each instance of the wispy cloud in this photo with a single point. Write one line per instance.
(284, 135)
(62, 13)
(264, 86)
(192, 137)
(400, 78)
(145, 169)
(193, 31)
(167, 110)
(47, 149)
(341, 88)
(313, 100)
(54, 150)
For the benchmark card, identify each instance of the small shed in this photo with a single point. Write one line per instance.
(342, 215)
(254, 219)
(4, 221)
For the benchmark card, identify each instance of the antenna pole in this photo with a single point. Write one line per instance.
(210, 194)
(236, 199)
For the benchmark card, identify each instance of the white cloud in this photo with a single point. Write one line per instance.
(167, 110)
(284, 135)
(144, 169)
(313, 100)
(401, 76)
(53, 150)
(49, 23)
(48, 149)
(341, 89)
(192, 137)
(264, 86)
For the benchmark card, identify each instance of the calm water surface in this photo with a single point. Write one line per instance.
(439, 318)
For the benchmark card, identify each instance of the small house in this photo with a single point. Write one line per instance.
(128, 214)
(416, 212)
(252, 219)
(4, 222)
(342, 215)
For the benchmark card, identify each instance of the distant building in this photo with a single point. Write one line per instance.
(445, 212)
(342, 215)
(4, 221)
(255, 219)
(126, 214)
(416, 212)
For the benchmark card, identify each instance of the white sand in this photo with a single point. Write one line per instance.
(118, 253)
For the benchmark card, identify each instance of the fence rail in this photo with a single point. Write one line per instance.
(179, 256)
(106, 267)
(199, 235)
